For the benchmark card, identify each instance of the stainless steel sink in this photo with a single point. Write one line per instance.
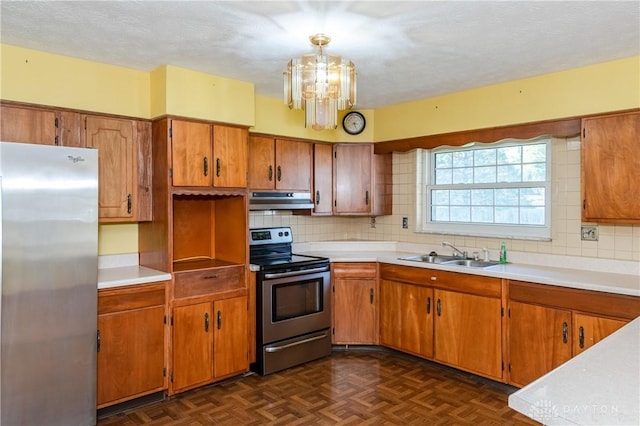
(450, 260)
(470, 263)
(426, 258)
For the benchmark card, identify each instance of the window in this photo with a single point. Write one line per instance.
(493, 190)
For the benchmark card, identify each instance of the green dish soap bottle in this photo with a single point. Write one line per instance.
(503, 253)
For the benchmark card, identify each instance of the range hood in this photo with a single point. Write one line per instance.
(280, 201)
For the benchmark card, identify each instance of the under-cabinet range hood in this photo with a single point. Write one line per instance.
(280, 201)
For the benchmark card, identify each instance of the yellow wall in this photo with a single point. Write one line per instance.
(604, 87)
(43, 78)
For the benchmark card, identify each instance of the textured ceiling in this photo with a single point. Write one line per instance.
(403, 50)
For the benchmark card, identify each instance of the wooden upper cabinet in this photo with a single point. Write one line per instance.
(191, 151)
(293, 165)
(208, 155)
(279, 164)
(40, 125)
(322, 179)
(27, 125)
(115, 140)
(611, 168)
(230, 156)
(362, 181)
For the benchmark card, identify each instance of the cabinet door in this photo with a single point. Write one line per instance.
(114, 139)
(27, 125)
(611, 168)
(322, 178)
(229, 156)
(468, 332)
(406, 317)
(293, 165)
(191, 153)
(130, 355)
(417, 320)
(261, 162)
(352, 178)
(589, 330)
(355, 311)
(539, 341)
(192, 345)
(231, 352)
(391, 313)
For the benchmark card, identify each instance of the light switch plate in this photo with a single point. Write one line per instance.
(589, 233)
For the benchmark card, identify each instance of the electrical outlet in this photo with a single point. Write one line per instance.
(373, 222)
(405, 223)
(589, 233)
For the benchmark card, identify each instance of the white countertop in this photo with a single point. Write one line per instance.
(123, 270)
(601, 386)
(578, 275)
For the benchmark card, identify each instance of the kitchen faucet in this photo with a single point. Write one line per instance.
(462, 253)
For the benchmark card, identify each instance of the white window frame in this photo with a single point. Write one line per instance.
(426, 177)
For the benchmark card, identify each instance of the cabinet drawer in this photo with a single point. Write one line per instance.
(406, 274)
(354, 270)
(131, 297)
(199, 283)
(468, 283)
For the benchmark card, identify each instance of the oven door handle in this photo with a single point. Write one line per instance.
(271, 349)
(294, 273)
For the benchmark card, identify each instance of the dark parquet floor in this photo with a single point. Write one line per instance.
(354, 387)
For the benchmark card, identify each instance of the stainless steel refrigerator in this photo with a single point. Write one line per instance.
(49, 271)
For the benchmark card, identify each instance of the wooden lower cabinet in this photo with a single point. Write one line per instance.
(468, 332)
(131, 349)
(209, 342)
(192, 346)
(550, 324)
(539, 341)
(355, 303)
(590, 329)
(406, 317)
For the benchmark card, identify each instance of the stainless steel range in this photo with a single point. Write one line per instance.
(293, 302)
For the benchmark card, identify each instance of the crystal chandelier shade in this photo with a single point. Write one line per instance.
(320, 85)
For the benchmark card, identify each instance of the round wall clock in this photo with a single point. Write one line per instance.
(353, 123)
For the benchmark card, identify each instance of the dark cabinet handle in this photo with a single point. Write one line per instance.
(206, 322)
(270, 173)
(581, 337)
(206, 166)
(98, 341)
(565, 332)
(318, 197)
(219, 320)
(428, 305)
(438, 307)
(371, 296)
(217, 167)
(279, 173)
(366, 197)
(129, 203)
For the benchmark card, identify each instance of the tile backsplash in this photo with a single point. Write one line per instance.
(621, 242)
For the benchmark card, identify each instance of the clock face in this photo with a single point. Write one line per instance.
(353, 123)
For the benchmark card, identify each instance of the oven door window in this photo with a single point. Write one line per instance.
(297, 299)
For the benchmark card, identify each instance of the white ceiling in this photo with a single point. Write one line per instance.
(403, 50)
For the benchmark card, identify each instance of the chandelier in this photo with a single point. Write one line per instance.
(320, 85)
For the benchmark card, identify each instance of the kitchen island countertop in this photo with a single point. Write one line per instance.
(601, 386)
